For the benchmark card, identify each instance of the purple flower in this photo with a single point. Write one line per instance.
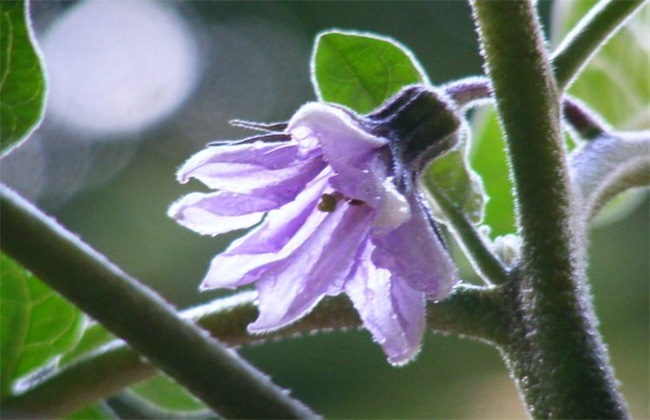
(330, 219)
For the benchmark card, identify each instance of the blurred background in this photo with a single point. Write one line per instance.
(137, 87)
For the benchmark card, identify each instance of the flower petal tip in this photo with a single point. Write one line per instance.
(404, 358)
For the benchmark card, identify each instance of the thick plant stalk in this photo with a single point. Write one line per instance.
(217, 376)
(556, 354)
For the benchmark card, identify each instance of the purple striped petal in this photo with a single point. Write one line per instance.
(274, 170)
(275, 239)
(219, 212)
(414, 253)
(392, 311)
(359, 159)
(292, 287)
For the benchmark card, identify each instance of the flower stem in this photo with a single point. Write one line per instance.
(470, 311)
(485, 263)
(556, 354)
(603, 20)
(586, 124)
(127, 308)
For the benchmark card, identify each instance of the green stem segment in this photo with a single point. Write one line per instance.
(588, 36)
(469, 311)
(218, 377)
(555, 353)
(485, 263)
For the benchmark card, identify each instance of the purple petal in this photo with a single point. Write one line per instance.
(273, 170)
(282, 231)
(356, 156)
(291, 287)
(392, 311)
(414, 253)
(342, 140)
(219, 212)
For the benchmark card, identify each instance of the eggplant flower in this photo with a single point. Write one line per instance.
(330, 217)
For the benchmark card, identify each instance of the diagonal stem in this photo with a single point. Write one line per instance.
(217, 376)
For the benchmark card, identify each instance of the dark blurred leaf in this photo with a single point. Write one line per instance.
(488, 159)
(165, 394)
(361, 71)
(22, 83)
(37, 324)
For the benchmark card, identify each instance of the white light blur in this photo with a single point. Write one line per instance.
(118, 67)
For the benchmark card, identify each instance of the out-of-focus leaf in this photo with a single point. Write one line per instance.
(615, 82)
(94, 336)
(95, 412)
(488, 158)
(22, 83)
(37, 324)
(461, 185)
(165, 394)
(361, 71)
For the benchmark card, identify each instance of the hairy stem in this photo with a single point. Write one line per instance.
(588, 36)
(556, 353)
(469, 311)
(218, 377)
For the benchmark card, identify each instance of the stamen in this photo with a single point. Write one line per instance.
(328, 202)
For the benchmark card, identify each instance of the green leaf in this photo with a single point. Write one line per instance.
(361, 71)
(37, 324)
(165, 394)
(615, 82)
(95, 412)
(461, 185)
(488, 159)
(22, 83)
(94, 336)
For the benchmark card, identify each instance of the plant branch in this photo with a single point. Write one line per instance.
(483, 260)
(588, 36)
(587, 125)
(217, 376)
(556, 353)
(609, 165)
(469, 311)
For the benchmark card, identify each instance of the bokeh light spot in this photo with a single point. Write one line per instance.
(118, 67)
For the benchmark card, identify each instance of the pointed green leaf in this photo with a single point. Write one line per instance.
(22, 83)
(37, 324)
(361, 71)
